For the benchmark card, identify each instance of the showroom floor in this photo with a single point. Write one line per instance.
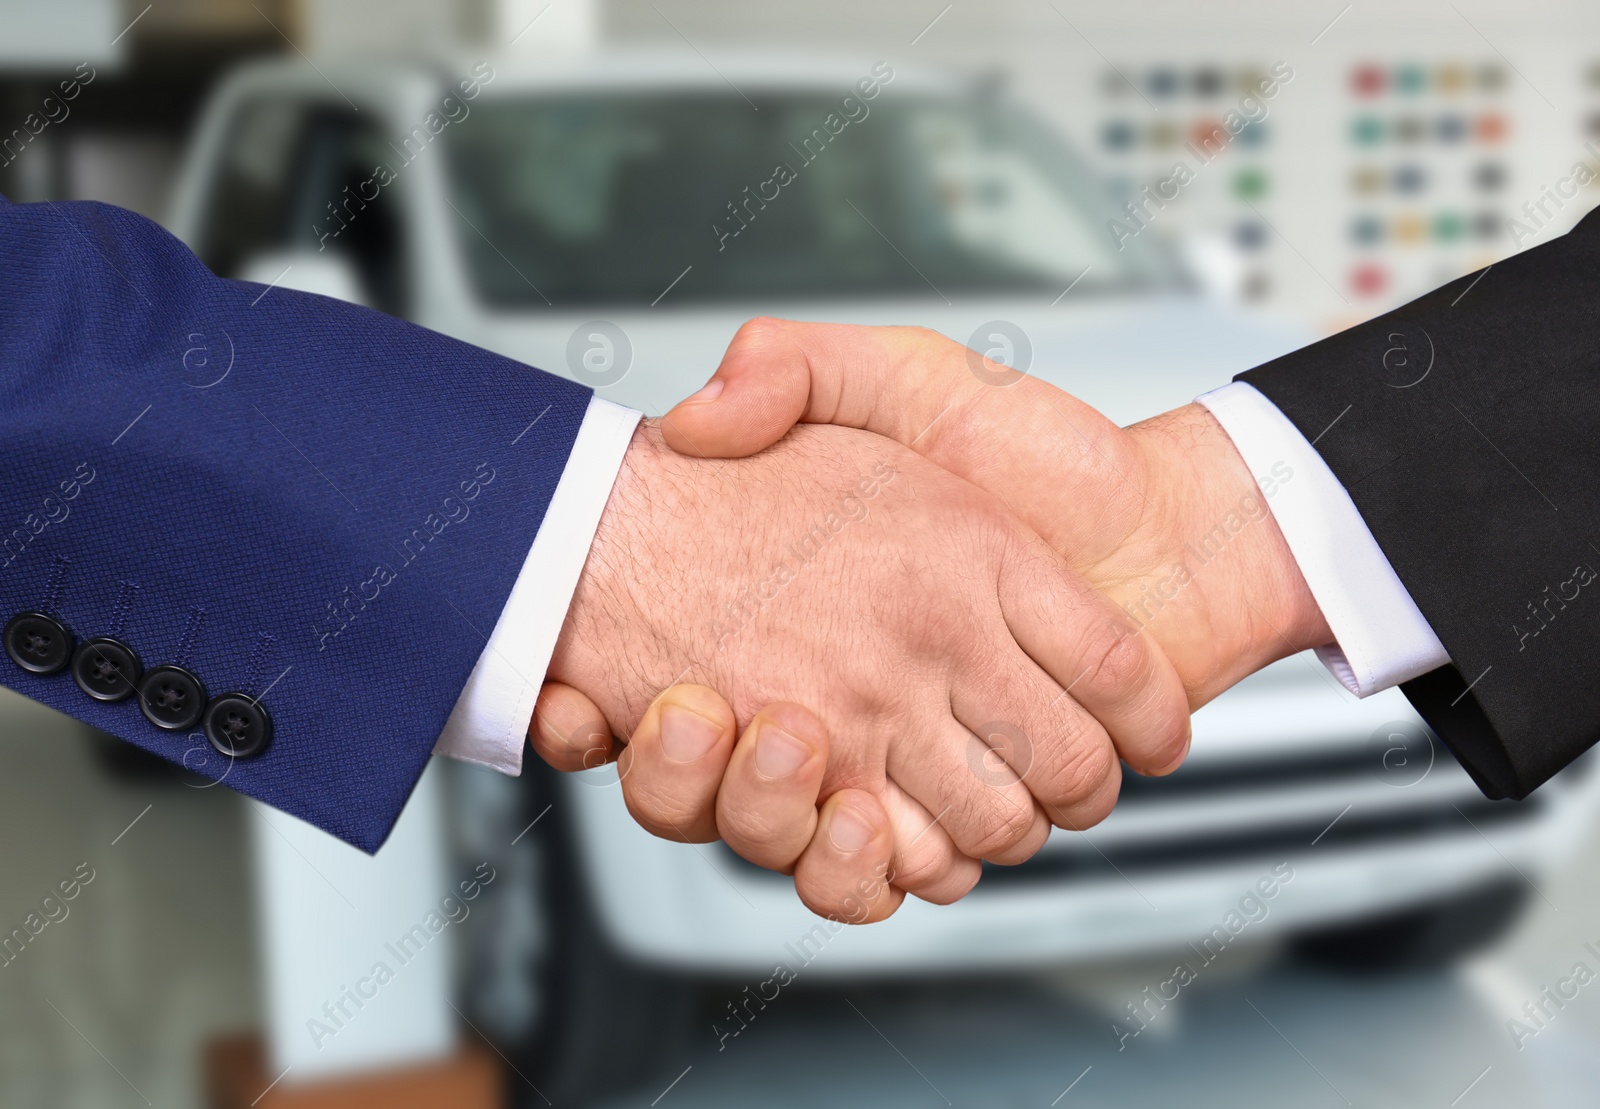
(109, 1004)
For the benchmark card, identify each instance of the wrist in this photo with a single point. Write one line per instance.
(1216, 522)
(607, 618)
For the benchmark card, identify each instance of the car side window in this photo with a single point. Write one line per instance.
(344, 201)
(247, 207)
(296, 176)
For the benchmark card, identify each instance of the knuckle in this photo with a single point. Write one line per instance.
(934, 356)
(921, 868)
(939, 354)
(1085, 815)
(1118, 660)
(1026, 845)
(1006, 754)
(1008, 828)
(757, 330)
(1093, 807)
(1084, 772)
(924, 336)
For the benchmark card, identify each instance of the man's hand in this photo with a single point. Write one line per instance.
(762, 790)
(839, 570)
(1163, 516)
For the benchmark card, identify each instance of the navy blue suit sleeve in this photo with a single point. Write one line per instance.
(305, 502)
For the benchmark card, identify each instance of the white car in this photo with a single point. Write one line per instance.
(615, 217)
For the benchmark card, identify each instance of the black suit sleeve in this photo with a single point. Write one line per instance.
(1466, 428)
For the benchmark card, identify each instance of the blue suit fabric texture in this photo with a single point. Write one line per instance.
(299, 500)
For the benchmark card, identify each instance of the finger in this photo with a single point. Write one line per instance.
(674, 763)
(845, 873)
(767, 805)
(568, 731)
(993, 817)
(892, 380)
(1030, 730)
(1099, 658)
(931, 394)
(927, 863)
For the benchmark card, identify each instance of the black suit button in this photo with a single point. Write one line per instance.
(238, 726)
(38, 643)
(172, 698)
(106, 669)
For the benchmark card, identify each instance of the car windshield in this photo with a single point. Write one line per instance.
(611, 199)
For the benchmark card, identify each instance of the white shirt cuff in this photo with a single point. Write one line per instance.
(1380, 636)
(489, 724)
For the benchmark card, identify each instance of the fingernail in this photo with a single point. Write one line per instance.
(685, 735)
(778, 754)
(848, 831)
(712, 390)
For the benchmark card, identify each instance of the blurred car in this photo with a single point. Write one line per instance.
(612, 217)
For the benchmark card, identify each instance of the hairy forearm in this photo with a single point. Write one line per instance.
(609, 645)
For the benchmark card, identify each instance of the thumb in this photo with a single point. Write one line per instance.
(761, 389)
(890, 380)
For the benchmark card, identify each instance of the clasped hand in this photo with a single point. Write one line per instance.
(875, 653)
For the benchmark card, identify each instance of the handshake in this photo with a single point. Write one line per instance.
(916, 639)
